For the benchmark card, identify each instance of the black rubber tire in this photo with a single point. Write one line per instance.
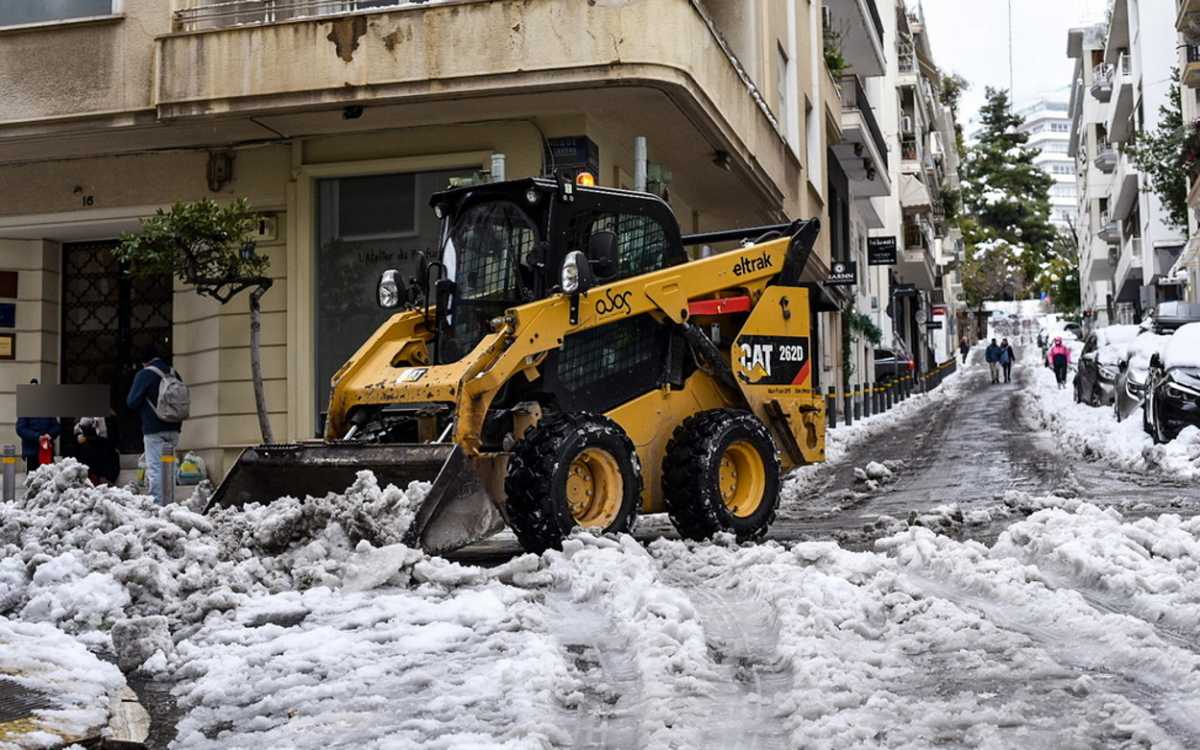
(535, 482)
(690, 475)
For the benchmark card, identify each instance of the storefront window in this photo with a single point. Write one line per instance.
(15, 12)
(365, 225)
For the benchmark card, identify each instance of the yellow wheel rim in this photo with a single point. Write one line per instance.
(594, 488)
(742, 478)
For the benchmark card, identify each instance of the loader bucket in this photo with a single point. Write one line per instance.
(457, 511)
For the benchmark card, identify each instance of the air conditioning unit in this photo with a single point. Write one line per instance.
(906, 125)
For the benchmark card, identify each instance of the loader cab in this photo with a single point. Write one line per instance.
(504, 244)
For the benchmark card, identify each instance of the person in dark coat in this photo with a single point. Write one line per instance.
(1007, 357)
(96, 452)
(964, 348)
(992, 355)
(31, 430)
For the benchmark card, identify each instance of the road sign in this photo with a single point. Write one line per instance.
(933, 325)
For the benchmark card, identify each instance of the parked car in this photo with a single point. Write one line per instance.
(1099, 364)
(1173, 392)
(890, 365)
(1168, 317)
(1130, 385)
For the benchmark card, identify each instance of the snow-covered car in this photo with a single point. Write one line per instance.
(1130, 385)
(1099, 363)
(1173, 396)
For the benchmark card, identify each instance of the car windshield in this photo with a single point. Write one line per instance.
(483, 251)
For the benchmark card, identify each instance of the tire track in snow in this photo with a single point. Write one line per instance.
(1136, 676)
(607, 708)
(742, 709)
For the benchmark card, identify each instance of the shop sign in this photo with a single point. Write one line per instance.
(843, 273)
(881, 251)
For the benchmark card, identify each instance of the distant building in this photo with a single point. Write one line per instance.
(1049, 127)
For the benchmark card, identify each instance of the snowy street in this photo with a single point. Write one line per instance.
(981, 585)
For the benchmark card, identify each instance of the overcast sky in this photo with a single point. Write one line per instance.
(970, 37)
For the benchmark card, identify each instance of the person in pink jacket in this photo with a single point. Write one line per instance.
(1059, 358)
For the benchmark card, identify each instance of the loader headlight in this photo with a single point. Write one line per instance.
(389, 290)
(570, 271)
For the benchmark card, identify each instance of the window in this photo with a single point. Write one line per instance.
(365, 225)
(1060, 127)
(15, 12)
(641, 242)
(1062, 169)
(781, 87)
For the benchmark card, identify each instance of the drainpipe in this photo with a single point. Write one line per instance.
(498, 161)
(639, 163)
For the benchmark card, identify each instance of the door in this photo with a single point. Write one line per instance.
(107, 318)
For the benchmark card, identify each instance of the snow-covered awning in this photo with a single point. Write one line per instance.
(913, 193)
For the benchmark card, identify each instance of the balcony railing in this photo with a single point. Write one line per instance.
(908, 149)
(855, 97)
(1123, 64)
(1192, 53)
(208, 15)
(1106, 157)
(1102, 82)
(906, 58)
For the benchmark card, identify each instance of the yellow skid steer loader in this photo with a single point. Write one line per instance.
(563, 364)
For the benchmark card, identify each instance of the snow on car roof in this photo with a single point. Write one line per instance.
(1116, 334)
(1139, 350)
(1183, 348)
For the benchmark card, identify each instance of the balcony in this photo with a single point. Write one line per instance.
(1190, 76)
(1128, 275)
(1110, 230)
(1187, 22)
(1106, 157)
(860, 31)
(916, 262)
(1123, 192)
(1120, 108)
(1102, 82)
(863, 150)
(911, 153)
(906, 64)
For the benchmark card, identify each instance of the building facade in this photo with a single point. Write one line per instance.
(1187, 23)
(1048, 125)
(1131, 78)
(1095, 161)
(338, 119)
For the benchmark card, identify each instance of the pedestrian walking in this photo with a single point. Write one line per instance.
(1059, 357)
(163, 402)
(37, 438)
(992, 355)
(1007, 357)
(963, 348)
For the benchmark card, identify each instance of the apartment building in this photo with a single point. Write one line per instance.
(1095, 160)
(1048, 125)
(337, 119)
(1187, 23)
(924, 284)
(1130, 78)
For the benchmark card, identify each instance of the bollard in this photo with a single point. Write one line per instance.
(831, 407)
(10, 473)
(848, 406)
(887, 395)
(858, 403)
(868, 394)
(167, 484)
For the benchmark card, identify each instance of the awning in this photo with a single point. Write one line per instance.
(913, 193)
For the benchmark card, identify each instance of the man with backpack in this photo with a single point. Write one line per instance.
(162, 400)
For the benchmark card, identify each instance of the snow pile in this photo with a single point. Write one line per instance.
(1145, 566)
(1056, 636)
(1095, 433)
(83, 558)
(39, 657)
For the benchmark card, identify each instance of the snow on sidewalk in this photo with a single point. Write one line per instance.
(1095, 432)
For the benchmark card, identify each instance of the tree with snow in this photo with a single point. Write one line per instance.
(1006, 207)
(1168, 156)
